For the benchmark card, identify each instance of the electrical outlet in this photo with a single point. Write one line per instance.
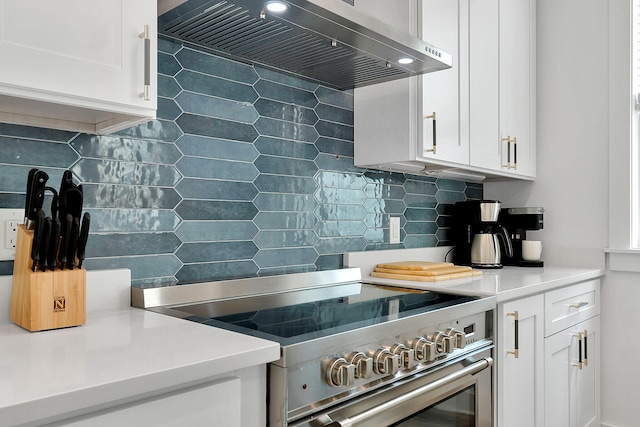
(9, 221)
(394, 229)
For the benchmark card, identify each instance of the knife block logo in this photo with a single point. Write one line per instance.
(59, 304)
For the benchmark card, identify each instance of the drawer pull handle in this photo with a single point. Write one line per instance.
(580, 360)
(584, 360)
(432, 117)
(579, 304)
(515, 351)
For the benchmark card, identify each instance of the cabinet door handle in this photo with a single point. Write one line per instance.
(515, 153)
(510, 165)
(580, 362)
(516, 319)
(433, 118)
(584, 360)
(146, 94)
(578, 304)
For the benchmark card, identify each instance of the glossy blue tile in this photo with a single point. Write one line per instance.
(285, 220)
(329, 212)
(125, 172)
(449, 196)
(32, 132)
(167, 64)
(450, 185)
(384, 191)
(37, 153)
(205, 189)
(285, 166)
(382, 177)
(216, 251)
(159, 130)
(12, 201)
(195, 273)
(216, 231)
(141, 266)
(414, 214)
(211, 106)
(341, 228)
(129, 197)
(198, 167)
(334, 130)
(278, 202)
(216, 66)
(285, 111)
(284, 93)
(216, 210)
(14, 178)
(222, 88)
(340, 244)
(413, 186)
(335, 146)
(412, 228)
(285, 148)
(120, 148)
(335, 114)
(420, 241)
(329, 262)
(474, 191)
(168, 87)
(214, 148)
(340, 180)
(340, 196)
(168, 45)
(420, 201)
(335, 97)
(125, 244)
(287, 130)
(285, 238)
(285, 184)
(218, 128)
(266, 258)
(285, 79)
(168, 109)
(336, 163)
(376, 220)
(132, 220)
(387, 206)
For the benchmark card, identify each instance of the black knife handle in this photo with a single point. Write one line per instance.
(37, 238)
(44, 245)
(37, 196)
(52, 253)
(73, 243)
(84, 236)
(28, 195)
(64, 241)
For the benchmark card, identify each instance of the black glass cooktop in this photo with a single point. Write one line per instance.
(284, 318)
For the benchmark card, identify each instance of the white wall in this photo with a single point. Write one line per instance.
(582, 176)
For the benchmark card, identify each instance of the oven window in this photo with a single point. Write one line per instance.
(459, 410)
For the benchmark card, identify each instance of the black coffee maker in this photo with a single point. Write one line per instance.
(477, 234)
(518, 221)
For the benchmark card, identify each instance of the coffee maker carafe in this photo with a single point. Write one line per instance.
(477, 234)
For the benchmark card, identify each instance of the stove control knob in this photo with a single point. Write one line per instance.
(385, 362)
(363, 365)
(444, 343)
(459, 337)
(424, 350)
(405, 354)
(339, 372)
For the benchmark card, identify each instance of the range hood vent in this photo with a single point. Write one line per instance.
(326, 41)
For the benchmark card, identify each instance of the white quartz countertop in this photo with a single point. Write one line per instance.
(120, 353)
(506, 283)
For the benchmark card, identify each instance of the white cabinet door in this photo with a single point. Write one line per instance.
(517, 85)
(84, 60)
(572, 376)
(446, 93)
(520, 378)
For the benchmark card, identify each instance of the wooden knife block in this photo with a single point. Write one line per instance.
(44, 300)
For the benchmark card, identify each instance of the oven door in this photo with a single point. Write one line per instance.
(459, 395)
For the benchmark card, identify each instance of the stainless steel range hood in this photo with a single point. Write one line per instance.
(327, 41)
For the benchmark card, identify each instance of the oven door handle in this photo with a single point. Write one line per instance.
(474, 368)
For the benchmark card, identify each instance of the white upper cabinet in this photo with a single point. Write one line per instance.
(484, 105)
(78, 65)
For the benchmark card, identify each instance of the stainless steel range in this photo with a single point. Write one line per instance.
(354, 354)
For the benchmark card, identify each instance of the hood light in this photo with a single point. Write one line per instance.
(405, 61)
(276, 6)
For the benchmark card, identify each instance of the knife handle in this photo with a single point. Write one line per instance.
(37, 238)
(44, 246)
(73, 243)
(54, 244)
(64, 241)
(84, 236)
(27, 201)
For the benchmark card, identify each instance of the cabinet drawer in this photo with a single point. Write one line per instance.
(567, 306)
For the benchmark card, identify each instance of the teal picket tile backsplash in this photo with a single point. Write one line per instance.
(245, 172)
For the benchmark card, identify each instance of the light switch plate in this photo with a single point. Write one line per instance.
(9, 221)
(394, 229)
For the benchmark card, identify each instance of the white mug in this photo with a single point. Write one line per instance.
(531, 250)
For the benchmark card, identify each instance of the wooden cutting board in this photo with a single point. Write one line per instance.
(417, 278)
(415, 265)
(432, 272)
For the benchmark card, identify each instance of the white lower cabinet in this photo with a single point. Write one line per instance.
(520, 362)
(548, 362)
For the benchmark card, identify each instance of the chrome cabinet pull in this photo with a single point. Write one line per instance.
(146, 94)
(363, 416)
(579, 304)
(433, 118)
(516, 319)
